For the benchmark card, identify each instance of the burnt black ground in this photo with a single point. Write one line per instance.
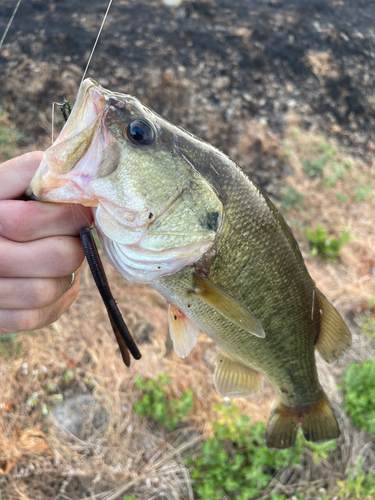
(209, 66)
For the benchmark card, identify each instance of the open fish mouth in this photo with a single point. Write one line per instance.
(73, 159)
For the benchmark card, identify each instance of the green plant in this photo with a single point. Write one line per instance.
(9, 344)
(236, 461)
(316, 167)
(287, 149)
(38, 398)
(342, 197)
(68, 375)
(367, 319)
(155, 403)
(368, 326)
(9, 136)
(337, 171)
(359, 392)
(291, 198)
(325, 247)
(358, 486)
(129, 498)
(362, 192)
(320, 450)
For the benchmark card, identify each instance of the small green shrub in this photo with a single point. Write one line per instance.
(315, 168)
(337, 171)
(362, 192)
(291, 198)
(156, 405)
(236, 461)
(325, 247)
(359, 391)
(358, 486)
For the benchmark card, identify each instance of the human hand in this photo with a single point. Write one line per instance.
(39, 251)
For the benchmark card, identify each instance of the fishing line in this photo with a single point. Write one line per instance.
(9, 23)
(53, 119)
(97, 39)
(76, 205)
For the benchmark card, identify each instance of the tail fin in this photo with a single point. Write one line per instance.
(317, 421)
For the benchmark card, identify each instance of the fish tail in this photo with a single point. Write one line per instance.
(318, 424)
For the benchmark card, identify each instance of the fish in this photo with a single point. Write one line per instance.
(174, 212)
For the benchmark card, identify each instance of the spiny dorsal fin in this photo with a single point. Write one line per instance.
(183, 331)
(233, 379)
(228, 306)
(334, 336)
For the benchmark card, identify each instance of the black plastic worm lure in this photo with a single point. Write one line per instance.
(122, 334)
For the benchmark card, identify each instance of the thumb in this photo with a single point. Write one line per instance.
(16, 174)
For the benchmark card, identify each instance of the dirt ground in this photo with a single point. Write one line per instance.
(270, 83)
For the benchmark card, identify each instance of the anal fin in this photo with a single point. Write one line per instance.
(318, 424)
(233, 379)
(334, 336)
(184, 333)
(227, 305)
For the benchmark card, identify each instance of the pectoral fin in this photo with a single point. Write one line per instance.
(334, 336)
(228, 306)
(183, 331)
(233, 379)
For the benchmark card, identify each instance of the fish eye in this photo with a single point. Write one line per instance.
(139, 132)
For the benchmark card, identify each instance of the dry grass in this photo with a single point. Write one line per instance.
(351, 281)
(323, 65)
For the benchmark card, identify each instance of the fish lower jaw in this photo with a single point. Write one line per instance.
(60, 192)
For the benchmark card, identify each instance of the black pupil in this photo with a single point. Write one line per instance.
(139, 132)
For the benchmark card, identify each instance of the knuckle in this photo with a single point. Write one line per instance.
(19, 220)
(47, 291)
(71, 256)
(28, 320)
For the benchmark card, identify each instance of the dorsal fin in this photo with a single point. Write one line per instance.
(228, 306)
(334, 336)
(183, 331)
(233, 379)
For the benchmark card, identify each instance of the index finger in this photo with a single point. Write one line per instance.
(16, 174)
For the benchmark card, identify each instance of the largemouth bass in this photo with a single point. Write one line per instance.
(174, 212)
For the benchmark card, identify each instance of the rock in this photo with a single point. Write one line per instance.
(82, 416)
